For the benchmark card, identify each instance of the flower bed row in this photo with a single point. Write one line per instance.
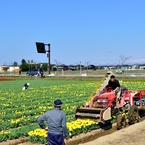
(75, 128)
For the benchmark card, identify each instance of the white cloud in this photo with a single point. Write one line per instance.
(138, 60)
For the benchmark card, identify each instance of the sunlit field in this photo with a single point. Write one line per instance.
(20, 109)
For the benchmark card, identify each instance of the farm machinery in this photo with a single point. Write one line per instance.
(103, 104)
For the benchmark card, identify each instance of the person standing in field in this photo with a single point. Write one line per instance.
(56, 120)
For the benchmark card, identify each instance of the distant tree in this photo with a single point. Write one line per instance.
(15, 64)
(44, 66)
(123, 59)
(24, 65)
(23, 61)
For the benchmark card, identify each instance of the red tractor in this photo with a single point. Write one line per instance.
(102, 106)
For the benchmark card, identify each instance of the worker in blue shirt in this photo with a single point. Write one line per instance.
(56, 121)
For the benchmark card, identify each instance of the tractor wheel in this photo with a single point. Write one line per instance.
(133, 115)
(121, 121)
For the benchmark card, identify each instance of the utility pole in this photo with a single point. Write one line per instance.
(48, 55)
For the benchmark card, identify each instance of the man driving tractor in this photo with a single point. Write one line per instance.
(114, 84)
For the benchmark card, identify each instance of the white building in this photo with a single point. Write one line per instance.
(13, 69)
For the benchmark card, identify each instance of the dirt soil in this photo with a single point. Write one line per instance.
(131, 135)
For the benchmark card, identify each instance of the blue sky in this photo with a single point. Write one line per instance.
(94, 31)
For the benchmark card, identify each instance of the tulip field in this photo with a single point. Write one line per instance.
(20, 109)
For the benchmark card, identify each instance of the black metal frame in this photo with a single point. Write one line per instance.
(41, 49)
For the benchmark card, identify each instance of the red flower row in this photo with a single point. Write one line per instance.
(6, 79)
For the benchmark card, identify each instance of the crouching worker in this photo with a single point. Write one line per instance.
(25, 87)
(56, 120)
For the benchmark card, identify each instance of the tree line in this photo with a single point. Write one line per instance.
(25, 66)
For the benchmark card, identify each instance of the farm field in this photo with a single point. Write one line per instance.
(20, 109)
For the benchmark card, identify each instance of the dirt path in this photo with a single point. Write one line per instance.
(132, 135)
